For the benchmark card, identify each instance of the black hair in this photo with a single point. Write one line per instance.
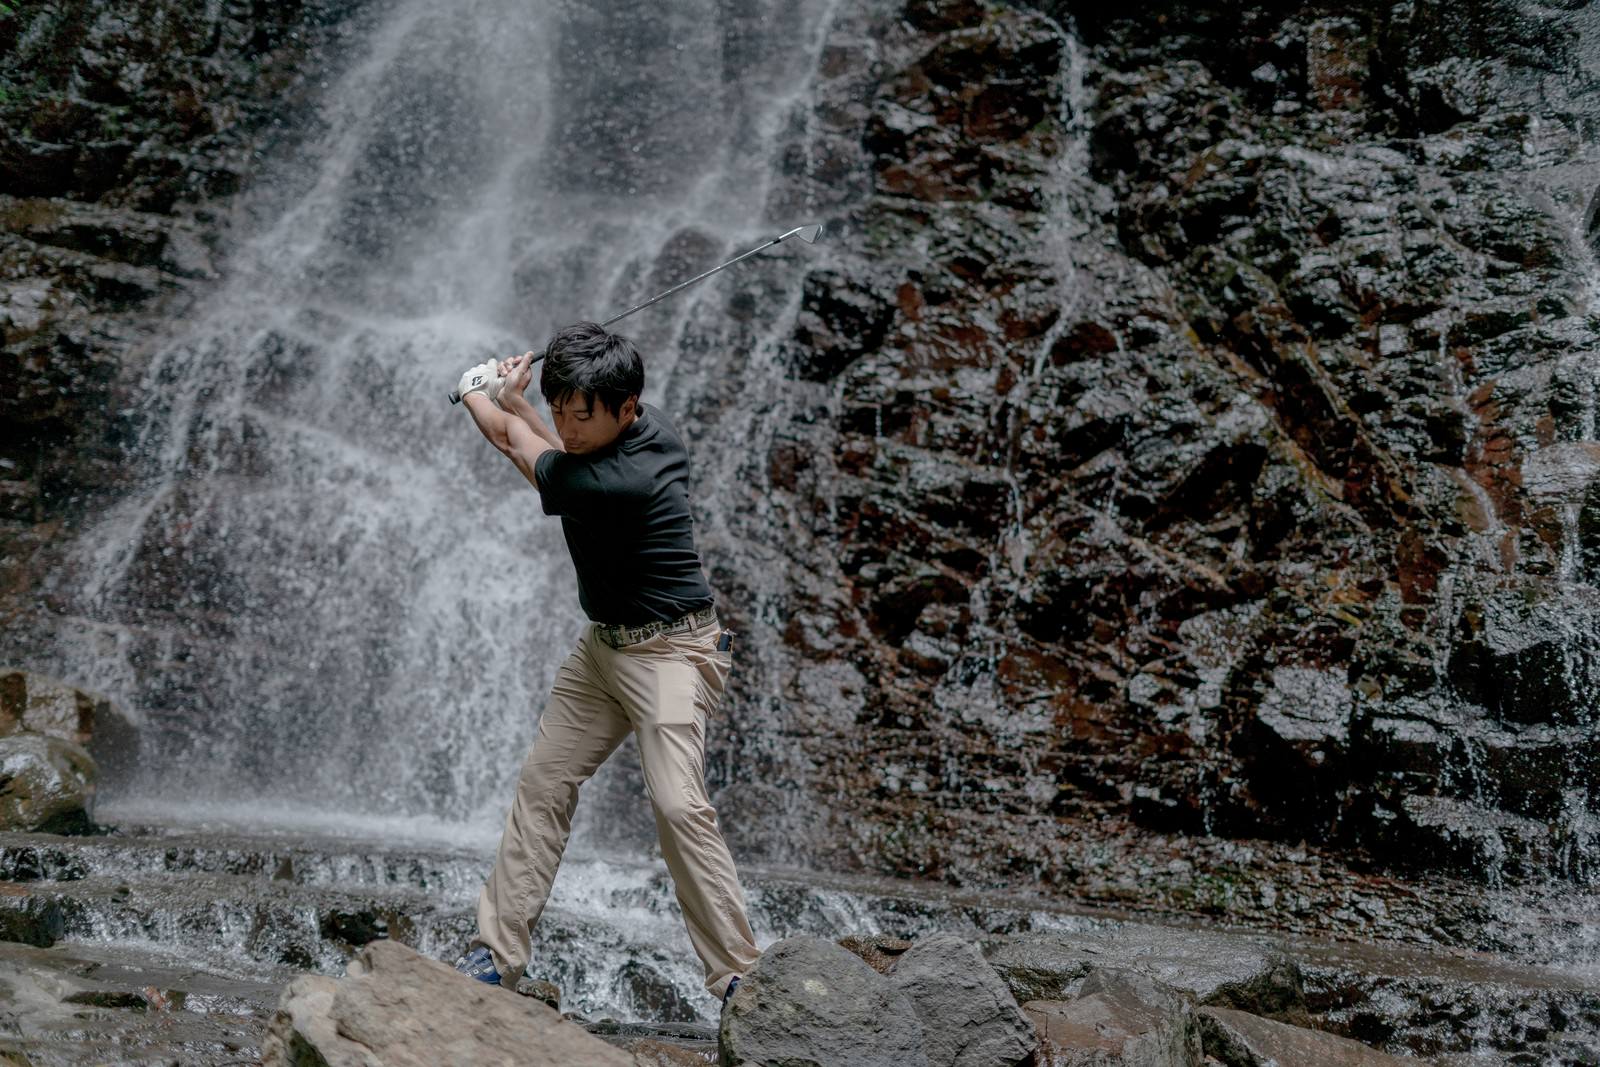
(584, 360)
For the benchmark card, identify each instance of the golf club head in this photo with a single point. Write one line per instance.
(808, 234)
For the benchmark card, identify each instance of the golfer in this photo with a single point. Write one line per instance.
(652, 662)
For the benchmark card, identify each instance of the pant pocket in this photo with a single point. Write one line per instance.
(711, 667)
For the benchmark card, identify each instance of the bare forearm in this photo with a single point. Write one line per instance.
(490, 420)
(508, 434)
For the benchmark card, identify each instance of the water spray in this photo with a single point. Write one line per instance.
(808, 234)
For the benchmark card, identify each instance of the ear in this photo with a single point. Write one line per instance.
(630, 407)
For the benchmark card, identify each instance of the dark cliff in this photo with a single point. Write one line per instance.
(124, 135)
(1199, 433)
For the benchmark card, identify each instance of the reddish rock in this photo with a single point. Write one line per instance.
(1338, 59)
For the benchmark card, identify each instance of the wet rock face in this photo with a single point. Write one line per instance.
(121, 135)
(1223, 459)
(1378, 337)
(1392, 284)
(141, 111)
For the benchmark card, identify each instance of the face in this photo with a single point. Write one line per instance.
(585, 425)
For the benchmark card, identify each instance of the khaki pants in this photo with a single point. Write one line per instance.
(662, 690)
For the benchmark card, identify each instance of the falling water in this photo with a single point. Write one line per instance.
(323, 589)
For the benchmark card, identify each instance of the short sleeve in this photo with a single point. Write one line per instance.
(553, 478)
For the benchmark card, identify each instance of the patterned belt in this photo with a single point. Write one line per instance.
(620, 636)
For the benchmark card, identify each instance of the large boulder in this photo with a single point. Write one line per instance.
(1237, 1039)
(809, 1001)
(1120, 1019)
(37, 703)
(46, 785)
(396, 1008)
(1231, 971)
(969, 1017)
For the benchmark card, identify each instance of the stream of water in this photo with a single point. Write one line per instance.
(325, 592)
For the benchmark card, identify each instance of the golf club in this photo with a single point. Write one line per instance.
(808, 234)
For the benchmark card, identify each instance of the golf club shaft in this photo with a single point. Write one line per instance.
(697, 278)
(681, 286)
(807, 234)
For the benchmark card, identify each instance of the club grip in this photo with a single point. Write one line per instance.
(455, 397)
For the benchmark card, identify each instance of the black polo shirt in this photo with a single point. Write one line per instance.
(625, 513)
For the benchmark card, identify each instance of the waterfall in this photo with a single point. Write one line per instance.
(323, 591)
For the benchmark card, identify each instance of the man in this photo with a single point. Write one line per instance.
(653, 662)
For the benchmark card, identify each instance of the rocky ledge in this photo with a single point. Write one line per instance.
(1121, 998)
(149, 929)
(871, 1002)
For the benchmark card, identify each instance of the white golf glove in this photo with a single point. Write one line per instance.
(480, 379)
